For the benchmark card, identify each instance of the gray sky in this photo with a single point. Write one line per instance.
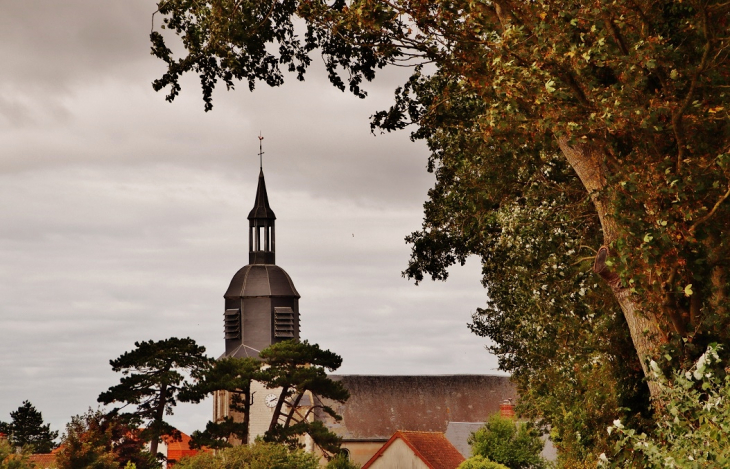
(123, 217)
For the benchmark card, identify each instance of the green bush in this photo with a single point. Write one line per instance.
(692, 431)
(257, 456)
(342, 462)
(10, 459)
(504, 441)
(480, 462)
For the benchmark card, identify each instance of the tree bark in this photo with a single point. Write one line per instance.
(158, 420)
(589, 163)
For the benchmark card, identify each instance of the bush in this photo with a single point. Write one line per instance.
(10, 459)
(692, 431)
(504, 441)
(342, 462)
(257, 456)
(479, 462)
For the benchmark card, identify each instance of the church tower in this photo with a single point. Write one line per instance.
(261, 303)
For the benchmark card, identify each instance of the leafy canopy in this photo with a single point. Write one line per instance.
(581, 150)
(693, 433)
(152, 377)
(103, 441)
(294, 369)
(504, 441)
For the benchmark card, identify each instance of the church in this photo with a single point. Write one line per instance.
(262, 308)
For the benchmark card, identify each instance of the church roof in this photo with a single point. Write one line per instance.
(430, 447)
(261, 207)
(257, 280)
(381, 405)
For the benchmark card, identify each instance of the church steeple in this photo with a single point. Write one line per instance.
(261, 232)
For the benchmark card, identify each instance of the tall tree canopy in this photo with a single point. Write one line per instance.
(27, 429)
(581, 149)
(290, 368)
(152, 375)
(103, 441)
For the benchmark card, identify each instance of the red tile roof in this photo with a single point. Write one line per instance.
(431, 447)
(176, 450)
(43, 461)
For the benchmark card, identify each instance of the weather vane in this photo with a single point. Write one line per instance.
(261, 152)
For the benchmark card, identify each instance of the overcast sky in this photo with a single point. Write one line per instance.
(123, 217)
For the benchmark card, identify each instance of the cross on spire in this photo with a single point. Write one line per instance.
(261, 152)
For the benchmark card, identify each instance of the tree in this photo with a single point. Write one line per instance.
(256, 456)
(152, 376)
(234, 376)
(695, 429)
(96, 440)
(297, 368)
(293, 368)
(506, 442)
(629, 97)
(27, 429)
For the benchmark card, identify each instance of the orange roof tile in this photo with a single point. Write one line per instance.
(42, 461)
(431, 447)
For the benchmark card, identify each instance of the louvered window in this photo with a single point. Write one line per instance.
(232, 324)
(284, 326)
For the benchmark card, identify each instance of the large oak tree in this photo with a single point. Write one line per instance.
(628, 96)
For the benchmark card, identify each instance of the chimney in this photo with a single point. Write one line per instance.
(507, 409)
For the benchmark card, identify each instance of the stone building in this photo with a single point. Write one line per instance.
(262, 308)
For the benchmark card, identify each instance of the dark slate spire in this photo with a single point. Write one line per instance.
(261, 234)
(261, 209)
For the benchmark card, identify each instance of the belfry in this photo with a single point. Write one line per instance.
(261, 303)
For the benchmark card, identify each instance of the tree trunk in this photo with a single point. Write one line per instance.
(589, 163)
(157, 423)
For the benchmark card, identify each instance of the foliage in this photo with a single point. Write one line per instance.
(259, 455)
(293, 368)
(26, 428)
(296, 369)
(615, 114)
(96, 440)
(11, 459)
(341, 461)
(480, 462)
(695, 429)
(152, 376)
(504, 441)
(233, 375)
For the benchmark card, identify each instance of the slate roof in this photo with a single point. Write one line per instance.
(431, 447)
(261, 207)
(381, 405)
(257, 280)
(458, 434)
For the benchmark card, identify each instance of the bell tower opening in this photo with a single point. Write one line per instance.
(261, 231)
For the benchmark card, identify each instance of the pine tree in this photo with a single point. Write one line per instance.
(27, 428)
(152, 377)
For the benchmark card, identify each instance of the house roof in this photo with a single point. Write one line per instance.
(458, 434)
(43, 461)
(381, 405)
(430, 447)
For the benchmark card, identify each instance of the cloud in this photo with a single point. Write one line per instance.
(124, 217)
